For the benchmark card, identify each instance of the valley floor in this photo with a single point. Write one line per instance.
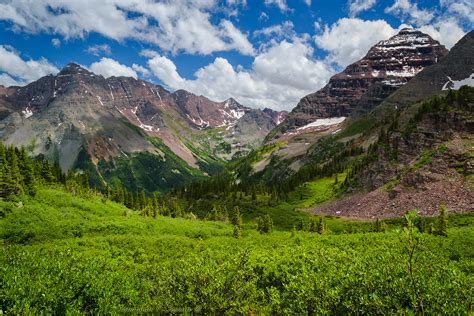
(65, 254)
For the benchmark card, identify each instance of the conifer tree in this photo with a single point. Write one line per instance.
(235, 218)
(12, 181)
(141, 199)
(313, 226)
(300, 224)
(442, 229)
(237, 232)
(321, 228)
(265, 224)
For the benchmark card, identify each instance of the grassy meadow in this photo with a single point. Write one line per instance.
(66, 254)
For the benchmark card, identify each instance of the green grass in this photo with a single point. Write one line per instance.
(315, 192)
(65, 254)
(358, 126)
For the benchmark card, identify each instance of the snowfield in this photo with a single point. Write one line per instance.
(456, 84)
(323, 122)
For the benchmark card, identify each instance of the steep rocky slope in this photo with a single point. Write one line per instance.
(86, 121)
(365, 83)
(413, 150)
(450, 72)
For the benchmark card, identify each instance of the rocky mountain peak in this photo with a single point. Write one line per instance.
(366, 83)
(74, 69)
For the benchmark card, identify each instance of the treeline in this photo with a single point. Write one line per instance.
(22, 175)
(226, 183)
(437, 108)
(350, 158)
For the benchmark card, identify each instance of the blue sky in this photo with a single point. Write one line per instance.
(264, 53)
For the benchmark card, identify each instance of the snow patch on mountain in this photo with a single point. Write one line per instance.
(27, 112)
(456, 84)
(323, 122)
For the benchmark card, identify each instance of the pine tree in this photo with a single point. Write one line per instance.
(235, 218)
(313, 226)
(431, 229)
(442, 229)
(12, 182)
(237, 232)
(155, 205)
(321, 229)
(378, 226)
(265, 224)
(300, 224)
(293, 231)
(141, 199)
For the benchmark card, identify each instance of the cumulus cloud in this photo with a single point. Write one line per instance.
(283, 30)
(108, 67)
(447, 31)
(56, 42)
(281, 4)
(410, 12)
(279, 76)
(22, 71)
(165, 70)
(142, 70)
(99, 49)
(357, 6)
(443, 25)
(175, 26)
(348, 40)
(464, 9)
(7, 81)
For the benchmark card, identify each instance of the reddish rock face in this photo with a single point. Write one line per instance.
(204, 113)
(388, 65)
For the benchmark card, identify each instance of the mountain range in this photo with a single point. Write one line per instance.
(129, 131)
(399, 142)
(373, 123)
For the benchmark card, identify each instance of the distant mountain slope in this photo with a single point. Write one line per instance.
(413, 150)
(457, 66)
(365, 83)
(124, 129)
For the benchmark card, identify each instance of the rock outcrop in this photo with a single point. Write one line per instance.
(365, 83)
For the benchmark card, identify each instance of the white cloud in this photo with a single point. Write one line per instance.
(175, 26)
(464, 9)
(283, 30)
(238, 39)
(23, 71)
(281, 4)
(108, 67)
(446, 31)
(410, 12)
(279, 76)
(56, 42)
(7, 81)
(10, 13)
(263, 17)
(348, 40)
(443, 25)
(165, 70)
(142, 70)
(357, 6)
(308, 2)
(98, 50)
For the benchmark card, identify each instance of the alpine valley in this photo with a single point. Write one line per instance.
(129, 132)
(118, 196)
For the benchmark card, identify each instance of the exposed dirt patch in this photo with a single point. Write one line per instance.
(383, 204)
